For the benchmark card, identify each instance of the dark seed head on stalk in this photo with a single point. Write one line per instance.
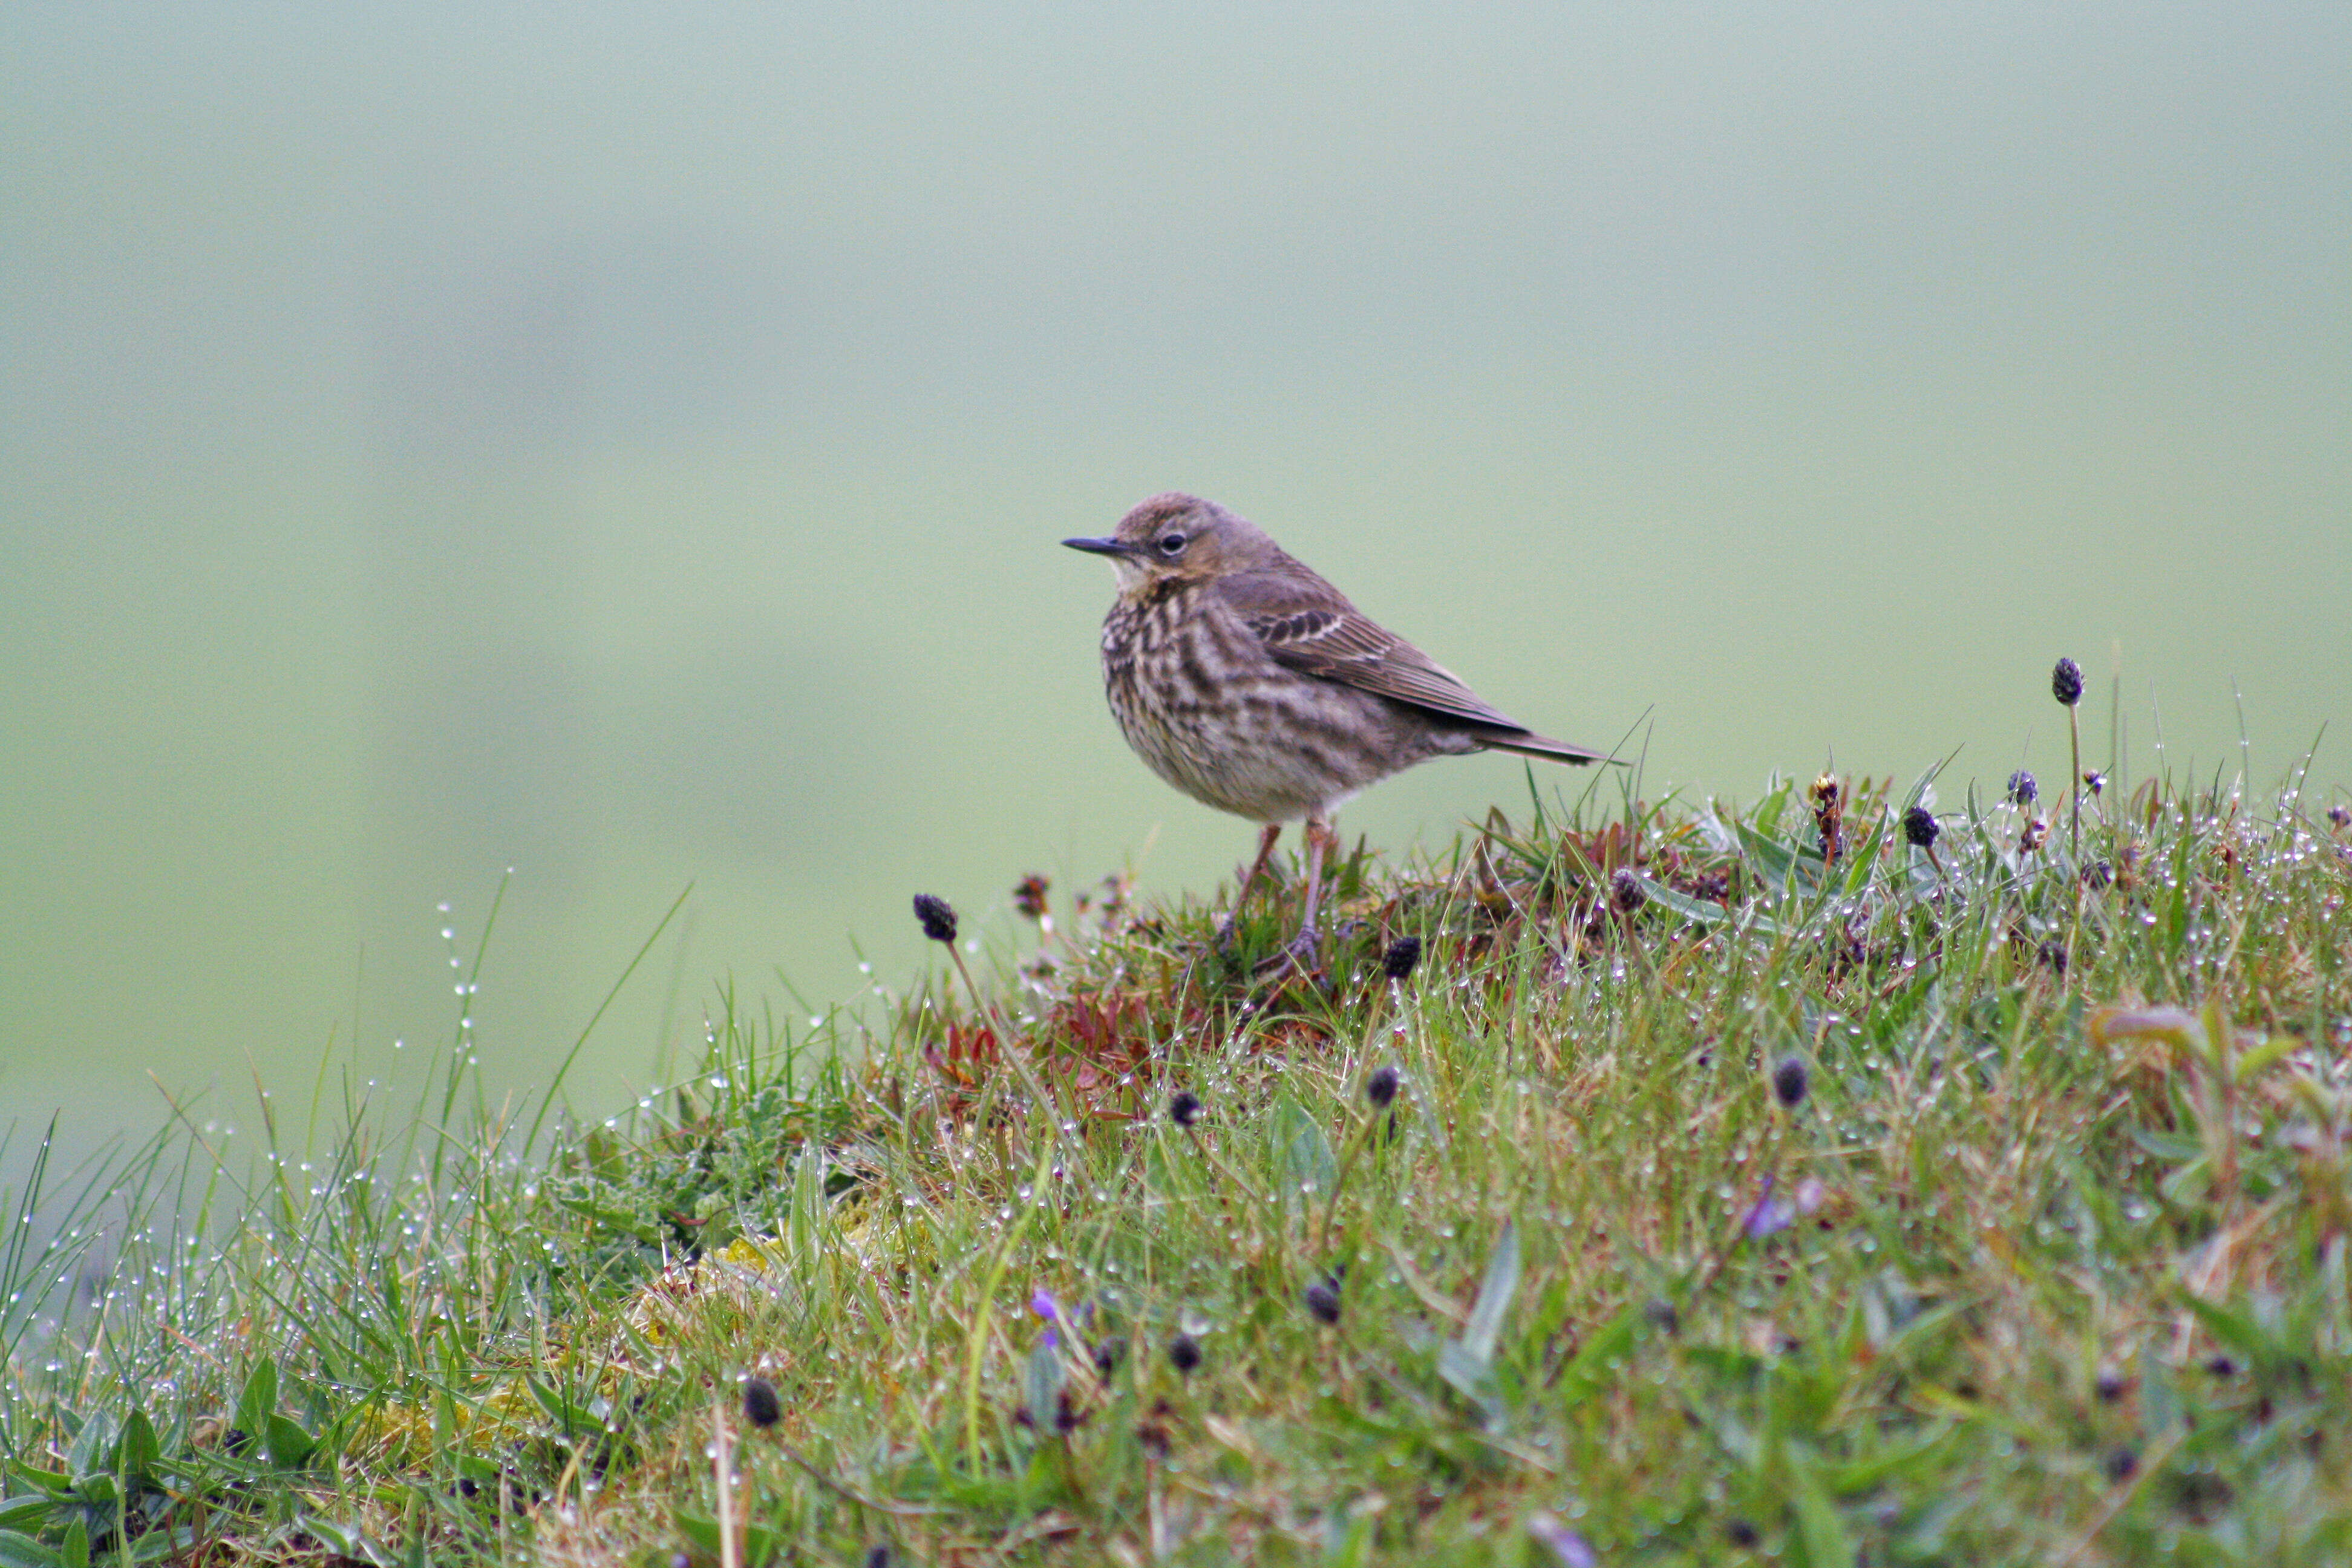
(938, 916)
(2341, 815)
(760, 1407)
(1029, 897)
(1323, 1301)
(1402, 956)
(2096, 781)
(1920, 826)
(2122, 1464)
(1626, 890)
(1382, 1087)
(2036, 833)
(1791, 1081)
(2022, 789)
(1185, 1108)
(1184, 1354)
(1828, 798)
(2098, 874)
(1152, 1431)
(2066, 682)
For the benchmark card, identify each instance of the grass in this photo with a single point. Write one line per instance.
(1758, 1184)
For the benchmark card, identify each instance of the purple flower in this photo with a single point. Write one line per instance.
(1045, 1307)
(1767, 1214)
(1572, 1549)
(1770, 1214)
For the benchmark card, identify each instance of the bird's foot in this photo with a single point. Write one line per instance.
(1300, 951)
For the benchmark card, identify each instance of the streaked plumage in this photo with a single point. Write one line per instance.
(1250, 683)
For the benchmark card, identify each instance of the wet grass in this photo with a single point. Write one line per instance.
(1844, 1177)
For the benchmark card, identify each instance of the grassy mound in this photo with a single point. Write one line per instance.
(1826, 1182)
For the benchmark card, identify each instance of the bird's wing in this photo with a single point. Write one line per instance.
(1307, 625)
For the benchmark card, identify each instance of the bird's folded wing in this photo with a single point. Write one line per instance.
(1309, 626)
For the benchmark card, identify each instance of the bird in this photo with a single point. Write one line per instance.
(1251, 684)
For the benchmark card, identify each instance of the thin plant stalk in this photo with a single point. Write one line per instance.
(719, 1468)
(2074, 786)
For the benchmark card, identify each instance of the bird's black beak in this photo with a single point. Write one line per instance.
(1099, 546)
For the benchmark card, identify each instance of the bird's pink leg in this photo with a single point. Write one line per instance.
(1320, 839)
(1266, 838)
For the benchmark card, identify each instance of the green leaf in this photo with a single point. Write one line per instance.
(93, 1448)
(2160, 1401)
(572, 1419)
(1819, 1529)
(1592, 1369)
(288, 1446)
(258, 1400)
(347, 1541)
(2172, 1148)
(761, 1545)
(135, 1451)
(1862, 1475)
(2250, 1065)
(701, 1532)
(2233, 1328)
(1495, 1293)
(1773, 860)
(74, 1551)
(1353, 1550)
(1472, 1378)
(621, 1220)
(17, 1550)
(160, 1545)
(56, 1483)
(2182, 1187)
(1683, 904)
(1306, 1156)
(24, 1512)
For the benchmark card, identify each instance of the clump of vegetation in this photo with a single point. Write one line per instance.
(1846, 1177)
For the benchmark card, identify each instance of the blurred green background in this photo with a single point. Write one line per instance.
(628, 444)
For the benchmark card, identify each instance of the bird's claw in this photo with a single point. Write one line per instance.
(1301, 952)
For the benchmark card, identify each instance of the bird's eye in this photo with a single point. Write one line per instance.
(1172, 544)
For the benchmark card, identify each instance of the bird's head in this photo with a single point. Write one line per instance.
(1180, 538)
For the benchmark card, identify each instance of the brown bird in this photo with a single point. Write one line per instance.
(1252, 685)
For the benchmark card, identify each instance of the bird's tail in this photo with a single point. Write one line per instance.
(1533, 745)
